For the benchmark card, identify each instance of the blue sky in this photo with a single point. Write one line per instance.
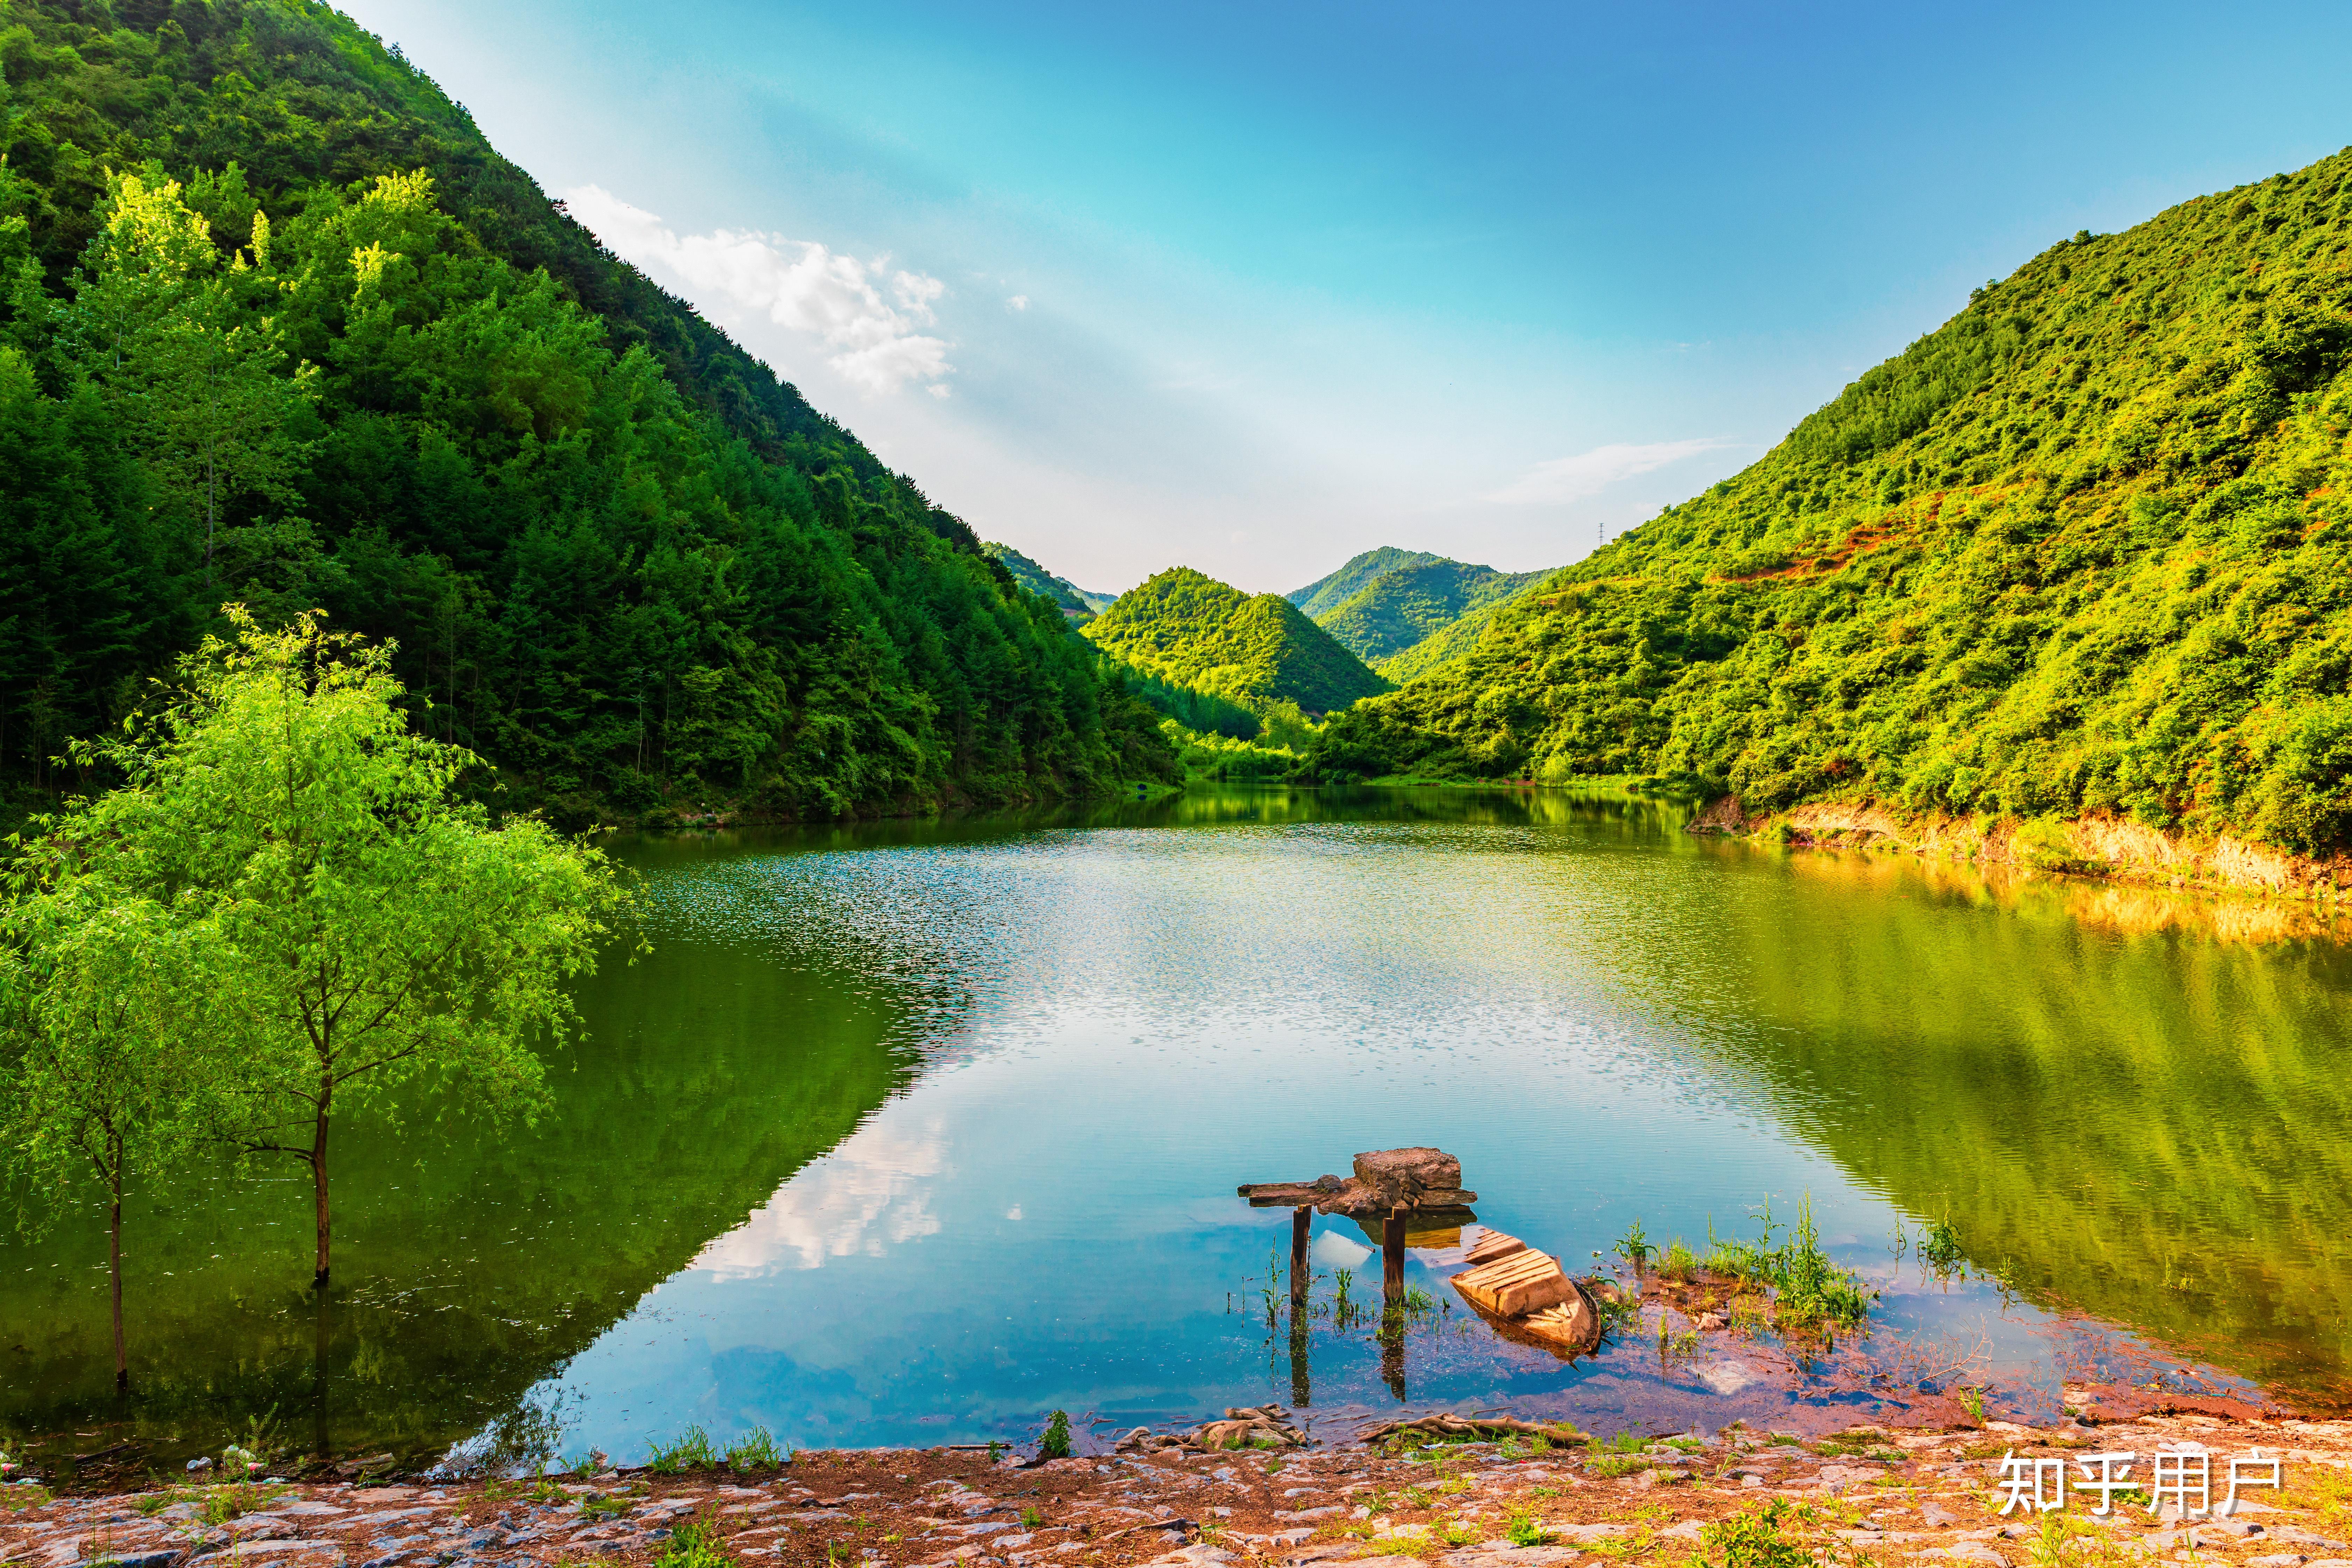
(1253, 288)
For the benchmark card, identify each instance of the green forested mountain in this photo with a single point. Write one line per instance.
(2085, 548)
(281, 326)
(1325, 595)
(1198, 632)
(1073, 601)
(1457, 636)
(1385, 621)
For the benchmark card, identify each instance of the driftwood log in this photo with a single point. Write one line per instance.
(1242, 1428)
(1447, 1425)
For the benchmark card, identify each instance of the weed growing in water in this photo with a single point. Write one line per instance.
(1971, 1400)
(1939, 1249)
(1615, 1308)
(1055, 1443)
(1635, 1247)
(1677, 1263)
(1811, 1289)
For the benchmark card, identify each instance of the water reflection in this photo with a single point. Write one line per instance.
(913, 1132)
(479, 1259)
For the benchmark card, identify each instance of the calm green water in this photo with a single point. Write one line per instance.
(909, 1134)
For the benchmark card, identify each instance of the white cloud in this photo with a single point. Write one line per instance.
(799, 284)
(871, 1193)
(1017, 302)
(1589, 473)
(939, 389)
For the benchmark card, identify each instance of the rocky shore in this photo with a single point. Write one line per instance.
(1749, 1499)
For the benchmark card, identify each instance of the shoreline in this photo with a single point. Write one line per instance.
(1867, 1492)
(2099, 849)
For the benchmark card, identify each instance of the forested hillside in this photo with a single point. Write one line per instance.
(1457, 636)
(2084, 548)
(1325, 595)
(280, 327)
(1198, 632)
(1073, 601)
(1385, 622)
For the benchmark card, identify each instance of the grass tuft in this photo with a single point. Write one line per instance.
(692, 1451)
(695, 1544)
(1753, 1539)
(755, 1450)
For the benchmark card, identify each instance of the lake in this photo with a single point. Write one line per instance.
(912, 1132)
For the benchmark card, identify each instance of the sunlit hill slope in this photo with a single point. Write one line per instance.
(2086, 549)
(1202, 632)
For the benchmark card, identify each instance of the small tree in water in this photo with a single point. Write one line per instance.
(98, 1078)
(376, 932)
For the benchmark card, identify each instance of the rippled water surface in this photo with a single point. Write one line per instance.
(910, 1133)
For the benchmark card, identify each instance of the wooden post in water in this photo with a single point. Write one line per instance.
(1301, 1221)
(1392, 1255)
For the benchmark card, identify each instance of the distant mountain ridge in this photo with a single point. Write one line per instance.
(1398, 611)
(1325, 595)
(1075, 602)
(1405, 612)
(1191, 628)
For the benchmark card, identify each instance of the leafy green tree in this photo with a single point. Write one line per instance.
(378, 933)
(102, 1076)
(193, 372)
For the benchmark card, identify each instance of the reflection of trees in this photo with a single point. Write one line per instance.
(2118, 1109)
(477, 1263)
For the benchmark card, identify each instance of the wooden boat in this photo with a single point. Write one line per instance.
(1528, 1294)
